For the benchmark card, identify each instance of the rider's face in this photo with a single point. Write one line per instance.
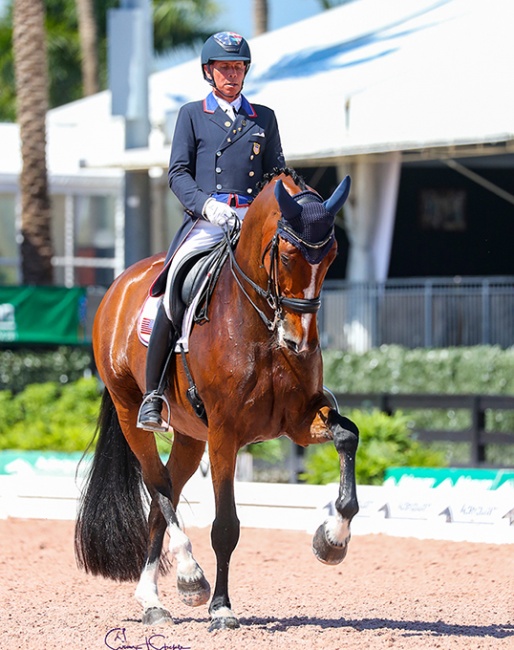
(228, 78)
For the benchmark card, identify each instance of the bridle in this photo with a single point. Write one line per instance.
(272, 294)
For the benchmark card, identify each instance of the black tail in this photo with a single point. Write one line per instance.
(111, 533)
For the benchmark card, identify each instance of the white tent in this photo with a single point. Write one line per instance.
(367, 77)
(357, 85)
(361, 86)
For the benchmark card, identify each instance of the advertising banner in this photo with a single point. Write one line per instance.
(52, 315)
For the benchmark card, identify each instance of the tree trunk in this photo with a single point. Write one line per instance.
(88, 46)
(260, 16)
(30, 64)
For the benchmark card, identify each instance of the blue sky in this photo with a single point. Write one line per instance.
(236, 15)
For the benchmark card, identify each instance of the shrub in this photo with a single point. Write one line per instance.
(21, 367)
(50, 416)
(481, 369)
(385, 441)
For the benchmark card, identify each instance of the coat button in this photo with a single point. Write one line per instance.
(218, 170)
(218, 186)
(218, 153)
(249, 190)
(252, 173)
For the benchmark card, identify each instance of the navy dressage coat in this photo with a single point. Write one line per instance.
(211, 155)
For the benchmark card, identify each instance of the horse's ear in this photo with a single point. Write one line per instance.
(288, 206)
(339, 196)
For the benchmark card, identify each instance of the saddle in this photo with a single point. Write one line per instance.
(191, 288)
(197, 274)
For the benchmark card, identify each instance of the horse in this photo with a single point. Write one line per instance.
(257, 366)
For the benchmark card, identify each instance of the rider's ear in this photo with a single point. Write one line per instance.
(207, 70)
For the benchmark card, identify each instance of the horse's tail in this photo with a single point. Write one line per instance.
(111, 533)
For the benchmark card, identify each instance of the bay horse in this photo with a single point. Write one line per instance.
(257, 366)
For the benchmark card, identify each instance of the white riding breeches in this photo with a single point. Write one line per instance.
(203, 235)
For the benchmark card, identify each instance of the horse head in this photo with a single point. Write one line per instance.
(297, 247)
(307, 221)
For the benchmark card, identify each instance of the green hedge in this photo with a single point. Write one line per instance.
(487, 370)
(393, 369)
(50, 416)
(20, 367)
(61, 414)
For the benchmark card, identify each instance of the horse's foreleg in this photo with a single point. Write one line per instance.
(330, 542)
(224, 535)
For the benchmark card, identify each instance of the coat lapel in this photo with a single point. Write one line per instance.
(233, 130)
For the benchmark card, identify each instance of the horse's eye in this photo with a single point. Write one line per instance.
(284, 259)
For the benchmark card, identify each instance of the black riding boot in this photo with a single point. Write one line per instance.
(161, 340)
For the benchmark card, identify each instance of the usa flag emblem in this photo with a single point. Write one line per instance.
(147, 325)
(229, 41)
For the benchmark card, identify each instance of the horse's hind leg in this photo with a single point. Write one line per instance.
(154, 613)
(184, 460)
(330, 542)
(156, 477)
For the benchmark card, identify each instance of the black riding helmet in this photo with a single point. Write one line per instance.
(225, 46)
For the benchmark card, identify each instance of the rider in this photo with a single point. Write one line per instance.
(222, 147)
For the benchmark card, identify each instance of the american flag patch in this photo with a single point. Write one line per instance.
(147, 325)
(230, 41)
(146, 318)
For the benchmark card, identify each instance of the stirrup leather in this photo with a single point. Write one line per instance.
(151, 425)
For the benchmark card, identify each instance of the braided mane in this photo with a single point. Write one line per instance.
(288, 171)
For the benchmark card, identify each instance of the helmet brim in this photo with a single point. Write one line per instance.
(231, 57)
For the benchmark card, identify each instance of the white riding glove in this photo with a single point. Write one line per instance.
(218, 213)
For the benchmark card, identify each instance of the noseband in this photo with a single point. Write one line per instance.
(272, 293)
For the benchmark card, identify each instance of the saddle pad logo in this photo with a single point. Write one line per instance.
(147, 318)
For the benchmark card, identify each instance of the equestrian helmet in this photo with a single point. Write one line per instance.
(225, 46)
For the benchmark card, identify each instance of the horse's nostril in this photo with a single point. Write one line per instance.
(292, 345)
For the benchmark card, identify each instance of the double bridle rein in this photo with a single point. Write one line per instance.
(272, 294)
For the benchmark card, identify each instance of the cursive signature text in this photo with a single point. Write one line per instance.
(116, 639)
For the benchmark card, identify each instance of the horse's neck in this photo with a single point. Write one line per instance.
(256, 233)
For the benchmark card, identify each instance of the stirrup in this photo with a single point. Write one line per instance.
(160, 425)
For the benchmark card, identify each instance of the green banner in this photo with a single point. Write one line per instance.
(53, 315)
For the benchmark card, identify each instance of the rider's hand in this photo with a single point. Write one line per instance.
(219, 213)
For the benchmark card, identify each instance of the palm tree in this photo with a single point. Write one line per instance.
(330, 4)
(30, 66)
(176, 24)
(260, 17)
(88, 46)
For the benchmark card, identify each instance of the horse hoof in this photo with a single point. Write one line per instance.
(194, 593)
(224, 623)
(325, 550)
(156, 616)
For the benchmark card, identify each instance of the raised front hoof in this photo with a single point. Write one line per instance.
(157, 616)
(224, 623)
(194, 593)
(325, 550)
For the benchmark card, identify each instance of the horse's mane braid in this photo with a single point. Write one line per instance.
(288, 171)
